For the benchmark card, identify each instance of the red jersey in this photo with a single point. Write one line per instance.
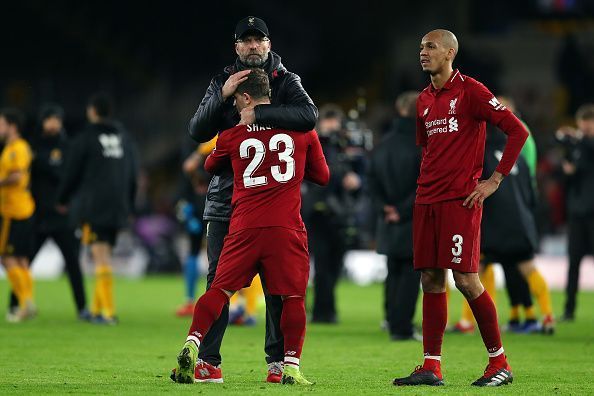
(451, 124)
(268, 168)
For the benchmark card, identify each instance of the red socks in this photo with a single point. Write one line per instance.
(292, 325)
(435, 318)
(485, 314)
(207, 310)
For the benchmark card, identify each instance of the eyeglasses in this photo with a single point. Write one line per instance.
(250, 39)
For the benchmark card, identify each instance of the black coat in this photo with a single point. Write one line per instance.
(101, 170)
(291, 108)
(394, 170)
(47, 170)
(580, 198)
(508, 226)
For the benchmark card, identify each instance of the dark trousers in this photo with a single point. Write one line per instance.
(517, 287)
(327, 247)
(69, 246)
(210, 348)
(401, 293)
(581, 243)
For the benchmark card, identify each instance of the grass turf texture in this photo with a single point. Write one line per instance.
(55, 353)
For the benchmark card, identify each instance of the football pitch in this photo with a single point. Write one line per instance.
(54, 353)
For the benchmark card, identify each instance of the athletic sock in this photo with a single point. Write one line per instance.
(96, 302)
(251, 295)
(540, 290)
(191, 276)
(435, 317)
(486, 318)
(514, 313)
(105, 285)
(208, 309)
(529, 313)
(16, 280)
(292, 326)
(27, 279)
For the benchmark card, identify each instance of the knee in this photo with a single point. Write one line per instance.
(469, 285)
(433, 282)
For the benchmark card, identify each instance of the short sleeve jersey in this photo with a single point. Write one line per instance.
(451, 124)
(16, 201)
(268, 165)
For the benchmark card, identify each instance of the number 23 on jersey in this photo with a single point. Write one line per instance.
(259, 153)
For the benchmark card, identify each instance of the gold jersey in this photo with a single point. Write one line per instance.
(16, 201)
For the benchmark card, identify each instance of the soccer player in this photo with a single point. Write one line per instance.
(47, 168)
(451, 116)
(266, 233)
(290, 108)
(16, 209)
(101, 170)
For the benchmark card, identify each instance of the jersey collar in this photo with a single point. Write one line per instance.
(455, 79)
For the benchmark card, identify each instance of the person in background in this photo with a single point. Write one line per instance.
(101, 168)
(16, 211)
(50, 148)
(393, 176)
(579, 169)
(189, 212)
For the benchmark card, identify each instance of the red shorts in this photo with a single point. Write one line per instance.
(447, 235)
(278, 254)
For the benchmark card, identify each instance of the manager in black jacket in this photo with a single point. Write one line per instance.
(394, 169)
(101, 169)
(47, 170)
(290, 108)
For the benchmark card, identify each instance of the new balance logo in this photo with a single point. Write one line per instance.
(456, 260)
(452, 125)
(291, 353)
(495, 103)
(204, 372)
(426, 111)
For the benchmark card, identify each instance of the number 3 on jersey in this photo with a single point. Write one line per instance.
(259, 154)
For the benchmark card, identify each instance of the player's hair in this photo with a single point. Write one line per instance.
(256, 85)
(51, 110)
(585, 112)
(406, 103)
(13, 117)
(102, 103)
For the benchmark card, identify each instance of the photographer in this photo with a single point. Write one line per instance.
(330, 213)
(579, 169)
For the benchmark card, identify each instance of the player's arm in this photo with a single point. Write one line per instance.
(220, 157)
(316, 168)
(208, 119)
(19, 164)
(73, 169)
(486, 107)
(297, 113)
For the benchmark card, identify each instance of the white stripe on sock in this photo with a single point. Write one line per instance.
(194, 339)
(496, 353)
(433, 357)
(292, 360)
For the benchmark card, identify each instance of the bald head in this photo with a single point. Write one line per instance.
(446, 38)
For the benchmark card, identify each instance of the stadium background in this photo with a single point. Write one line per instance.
(156, 58)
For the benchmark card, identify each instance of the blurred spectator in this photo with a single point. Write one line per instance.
(579, 168)
(330, 213)
(393, 176)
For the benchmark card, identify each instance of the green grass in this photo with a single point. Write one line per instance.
(55, 353)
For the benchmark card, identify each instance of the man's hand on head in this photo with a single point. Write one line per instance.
(483, 190)
(232, 82)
